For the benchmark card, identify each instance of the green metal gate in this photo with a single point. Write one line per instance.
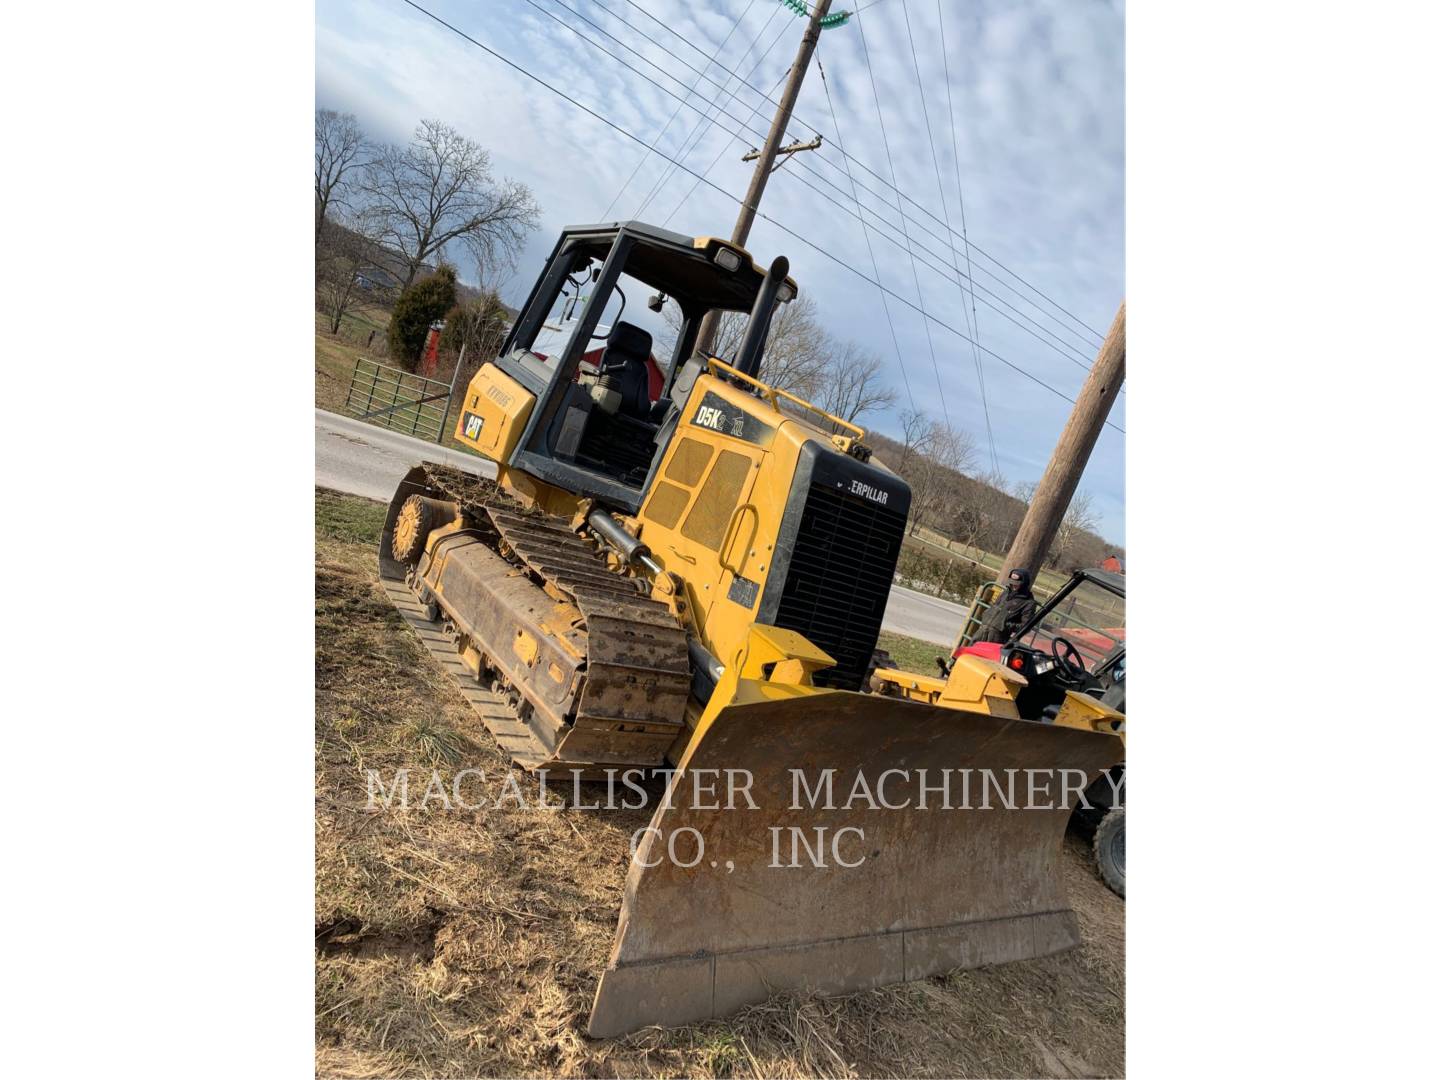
(398, 400)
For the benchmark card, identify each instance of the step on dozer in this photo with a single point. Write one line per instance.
(692, 570)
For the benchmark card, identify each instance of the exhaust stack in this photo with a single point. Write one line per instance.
(747, 361)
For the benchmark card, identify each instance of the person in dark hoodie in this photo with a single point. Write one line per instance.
(1011, 610)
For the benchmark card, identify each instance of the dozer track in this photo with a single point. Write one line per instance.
(567, 662)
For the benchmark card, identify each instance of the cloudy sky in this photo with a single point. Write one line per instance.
(1037, 88)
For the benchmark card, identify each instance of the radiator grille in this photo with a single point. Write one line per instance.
(841, 566)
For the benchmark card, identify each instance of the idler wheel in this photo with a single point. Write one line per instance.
(418, 517)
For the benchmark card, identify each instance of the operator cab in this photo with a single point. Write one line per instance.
(603, 342)
(1075, 641)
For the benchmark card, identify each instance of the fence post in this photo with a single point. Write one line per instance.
(454, 378)
(350, 390)
(374, 385)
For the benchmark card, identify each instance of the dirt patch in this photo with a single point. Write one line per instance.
(452, 942)
(348, 937)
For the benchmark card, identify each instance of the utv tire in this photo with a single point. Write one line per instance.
(1110, 850)
(1105, 792)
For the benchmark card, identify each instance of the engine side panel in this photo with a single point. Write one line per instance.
(493, 413)
(715, 505)
(766, 521)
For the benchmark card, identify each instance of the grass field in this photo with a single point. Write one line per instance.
(912, 654)
(335, 356)
(454, 943)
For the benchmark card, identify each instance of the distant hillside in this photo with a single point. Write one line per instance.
(977, 513)
(386, 270)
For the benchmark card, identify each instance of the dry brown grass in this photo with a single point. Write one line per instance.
(335, 355)
(453, 943)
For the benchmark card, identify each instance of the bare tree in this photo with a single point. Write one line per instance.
(477, 329)
(345, 274)
(796, 348)
(1080, 518)
(439, 189)
(340, 149)
(850, 385)
(337, 286)
(918, 432)
(934, 473)
(955, 449)
(985, 512)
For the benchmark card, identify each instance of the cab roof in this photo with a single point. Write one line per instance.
(678, 265)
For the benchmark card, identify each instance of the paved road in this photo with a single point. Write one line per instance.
(362, 459)
(920, 616)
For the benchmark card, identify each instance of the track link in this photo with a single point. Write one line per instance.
(495, 709)
(619, 673)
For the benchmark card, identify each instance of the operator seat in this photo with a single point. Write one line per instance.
(623, 367)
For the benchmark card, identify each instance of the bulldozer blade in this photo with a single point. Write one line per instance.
(725, 906)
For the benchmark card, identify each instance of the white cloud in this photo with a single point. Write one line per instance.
(1038, 94)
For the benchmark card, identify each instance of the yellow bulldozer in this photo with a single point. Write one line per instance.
(678, 564)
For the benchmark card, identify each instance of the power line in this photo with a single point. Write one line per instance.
(1064, 348)
(1037, 291)
(973, 327)
(646, 156)
(919, 293)
(710, 58)
(1097, 334)
(729, 143)
(964, 231)
(864, 230)
(903, 196)
(707, 119)
(1050, 341)
(1028, 325)
(736, 199)
(703, 127)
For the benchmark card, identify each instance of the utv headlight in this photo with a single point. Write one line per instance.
(727, 259)
(785, 293)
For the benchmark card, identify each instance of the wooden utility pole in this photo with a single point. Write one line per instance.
(1057, 487)
(765, 161)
